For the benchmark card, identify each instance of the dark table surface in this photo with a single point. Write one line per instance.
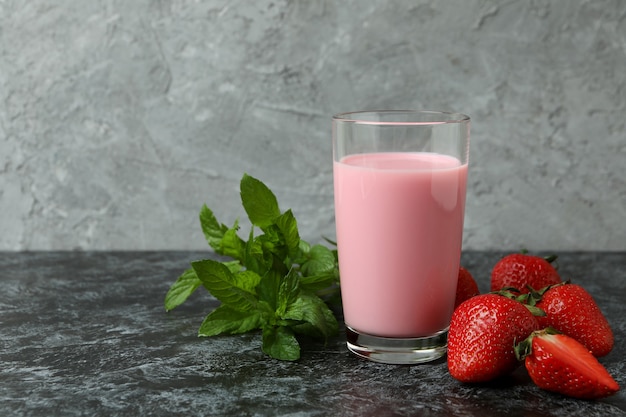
(86, 333)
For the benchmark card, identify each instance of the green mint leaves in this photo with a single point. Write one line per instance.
(275, 282)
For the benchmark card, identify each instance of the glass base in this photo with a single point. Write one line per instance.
(399, 351)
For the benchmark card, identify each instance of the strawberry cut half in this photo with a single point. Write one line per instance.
(558, 363)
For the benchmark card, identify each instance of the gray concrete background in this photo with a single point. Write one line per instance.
(119, 119)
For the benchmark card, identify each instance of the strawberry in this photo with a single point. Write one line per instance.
(521, 270)
(570, 309)
(559, 363)
(482, 334)
(466, 287)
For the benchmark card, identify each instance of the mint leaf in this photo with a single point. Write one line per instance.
(320, 261)
(331, 328)
(231, 244)
(224, 286)
(272, 242)
(212, 229)
(304, 246)
(184, 286)
(319, 282)
(256, 258)
(288, 227)
(280, 343)
(221, 238)
(226, 320)
(268, 288)
(246, 280)
(258, 201)
(312, 309)
(257, 255)
(233, 266)
(288, 292)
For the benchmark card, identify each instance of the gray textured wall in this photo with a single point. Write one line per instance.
(119, 119)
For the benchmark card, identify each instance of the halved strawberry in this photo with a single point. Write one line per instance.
(558, 363)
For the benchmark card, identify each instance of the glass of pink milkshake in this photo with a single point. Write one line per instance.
(400, 180)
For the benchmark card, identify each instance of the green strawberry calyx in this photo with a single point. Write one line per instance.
(534, 296)
(524, 348)
(525, 299)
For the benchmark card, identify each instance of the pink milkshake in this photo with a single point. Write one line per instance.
(399, 219)
(400, 179)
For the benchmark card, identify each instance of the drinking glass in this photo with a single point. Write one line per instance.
(399, 180)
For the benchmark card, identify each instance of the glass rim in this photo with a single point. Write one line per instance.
(357, 117)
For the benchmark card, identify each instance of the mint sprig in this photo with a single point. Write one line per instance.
(274, 282)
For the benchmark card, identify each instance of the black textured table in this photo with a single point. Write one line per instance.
(87, 334)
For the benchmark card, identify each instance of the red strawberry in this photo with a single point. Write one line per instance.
(482, 334)
(520, 271)
(557, 362)
(466, 287)
(570, 309)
